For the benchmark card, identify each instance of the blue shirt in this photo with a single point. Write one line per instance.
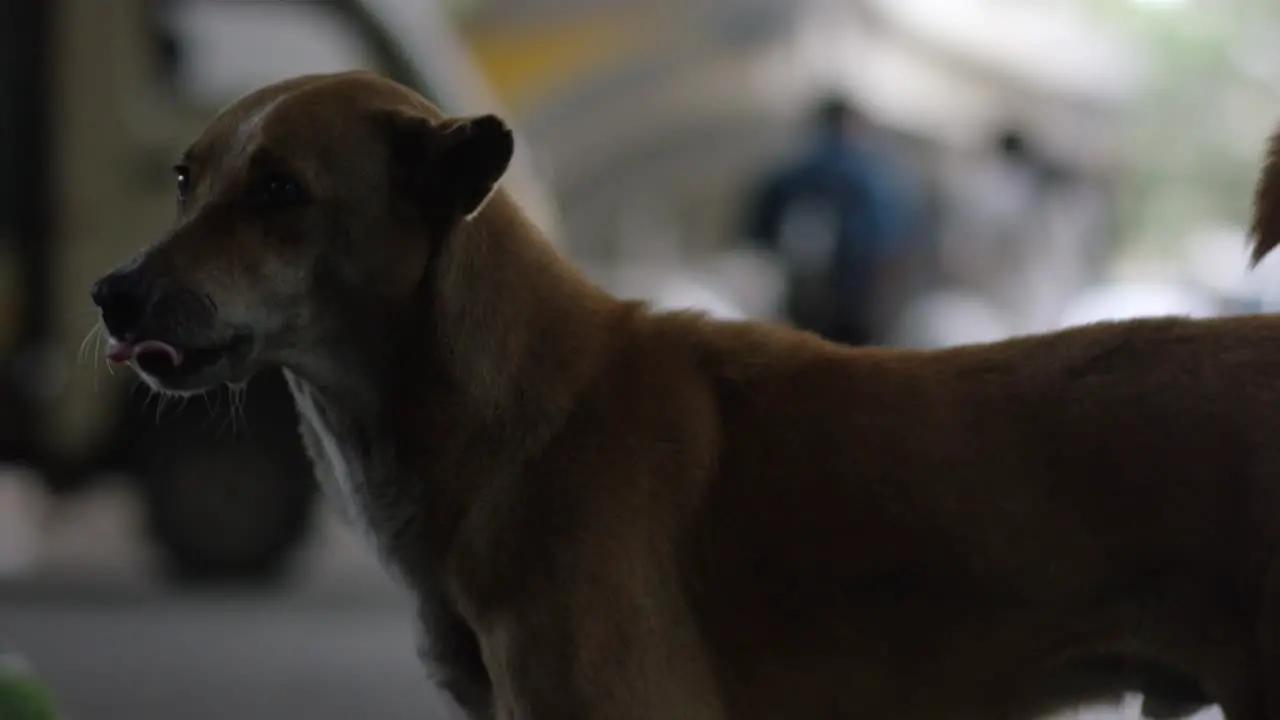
(868, 210)
(874, 209)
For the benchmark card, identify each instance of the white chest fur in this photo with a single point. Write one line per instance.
(339, 467)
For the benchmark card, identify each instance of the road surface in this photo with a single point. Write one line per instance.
(337, 643)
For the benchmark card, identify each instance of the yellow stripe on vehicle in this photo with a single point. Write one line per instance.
(525, 65)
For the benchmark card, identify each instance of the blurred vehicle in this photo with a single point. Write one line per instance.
(101, 98)
(948, 318)
(1209, 277)
(1126, 301)
(665, 289)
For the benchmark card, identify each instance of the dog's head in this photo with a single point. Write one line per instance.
(308, 211)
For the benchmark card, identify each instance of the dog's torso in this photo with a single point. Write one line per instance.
(965, 520)
(842, 528)
(884, 521)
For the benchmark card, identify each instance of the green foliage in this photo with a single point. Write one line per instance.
(1193, 140)
(23, 697)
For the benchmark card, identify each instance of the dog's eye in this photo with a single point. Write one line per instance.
(182, 175)
(276, 190)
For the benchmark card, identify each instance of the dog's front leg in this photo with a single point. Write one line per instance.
(450, 652)
(537, 675)
(543, 669)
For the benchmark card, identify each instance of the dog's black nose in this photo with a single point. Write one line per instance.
(122, 298)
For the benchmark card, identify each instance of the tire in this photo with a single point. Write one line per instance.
(226, 501)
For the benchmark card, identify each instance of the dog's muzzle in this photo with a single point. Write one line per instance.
(123, 298)
(161, 328)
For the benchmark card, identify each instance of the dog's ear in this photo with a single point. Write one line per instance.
(451, 168)
(1265, 232)
(476, 154)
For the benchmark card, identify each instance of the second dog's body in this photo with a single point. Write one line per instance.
(612, 514)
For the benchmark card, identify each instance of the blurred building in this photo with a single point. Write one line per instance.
(650, 118)
(641, 125)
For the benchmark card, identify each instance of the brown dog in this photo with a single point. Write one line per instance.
(608, 513)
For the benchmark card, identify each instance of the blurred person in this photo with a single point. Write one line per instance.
(839, 216)
(1002, 237)
(990, 201)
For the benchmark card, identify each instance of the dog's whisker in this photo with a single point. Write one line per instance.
(229, 422)
(90, 345)
(102, 338)
(90, 338)
(110, 366)
(236, 399)
(153, 395)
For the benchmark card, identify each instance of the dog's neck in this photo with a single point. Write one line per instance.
(509, 310)
(458, 389)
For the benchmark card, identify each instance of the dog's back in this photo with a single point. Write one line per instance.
(862, 524)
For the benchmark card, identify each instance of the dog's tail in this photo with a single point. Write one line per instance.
(1265, 233)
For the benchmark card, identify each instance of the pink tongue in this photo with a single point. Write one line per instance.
(120, 352)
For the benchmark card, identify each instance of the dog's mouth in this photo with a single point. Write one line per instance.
(168, 363)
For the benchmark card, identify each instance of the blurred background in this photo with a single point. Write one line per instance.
(917, 173)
